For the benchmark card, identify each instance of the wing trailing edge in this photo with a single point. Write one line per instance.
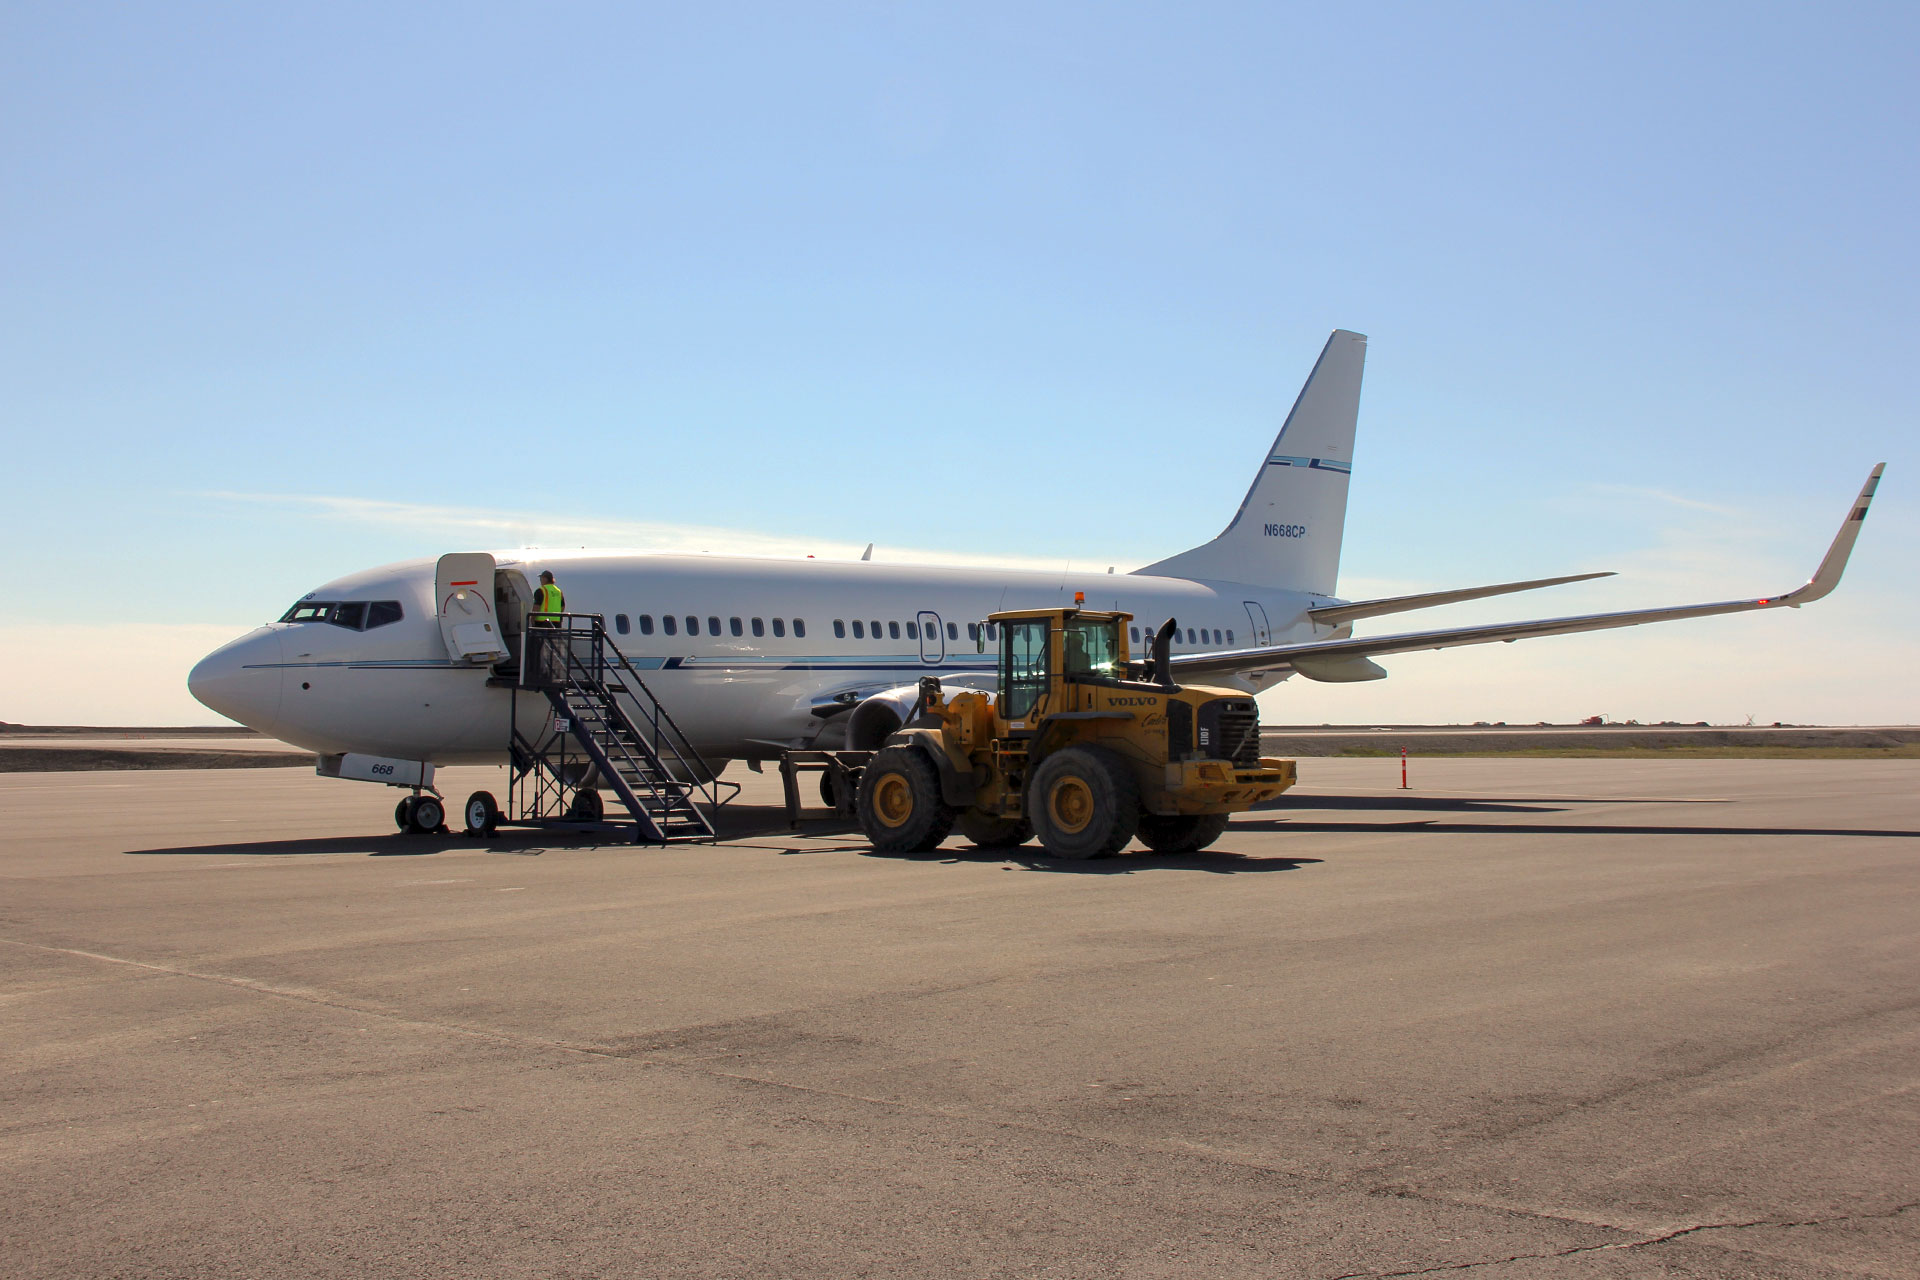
(1335, 614)
(1343, 655)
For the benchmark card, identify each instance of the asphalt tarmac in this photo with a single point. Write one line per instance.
(1535, 1018)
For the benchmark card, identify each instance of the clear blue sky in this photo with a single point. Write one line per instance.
(776, 270)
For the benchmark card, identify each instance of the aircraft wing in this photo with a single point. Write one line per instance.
(1329, 655)
(1334, 614)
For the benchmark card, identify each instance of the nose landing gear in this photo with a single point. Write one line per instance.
(420, 815)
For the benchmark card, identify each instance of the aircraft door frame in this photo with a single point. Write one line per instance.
(1262, 630)
(936, 629)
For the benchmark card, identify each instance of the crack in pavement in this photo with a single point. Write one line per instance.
(1166, 1148)
(606, 1054)
(1662, 1238)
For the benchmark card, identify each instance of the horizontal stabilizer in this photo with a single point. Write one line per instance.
(1335, 614)
(1320, 653)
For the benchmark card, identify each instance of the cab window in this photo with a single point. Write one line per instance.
(1092, 648)
(381, 612)
(1023, 666)
(307, 611)
(352, 615)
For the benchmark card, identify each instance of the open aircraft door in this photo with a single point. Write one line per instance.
(463, 597)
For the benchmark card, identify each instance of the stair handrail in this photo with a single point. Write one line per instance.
(675, 739)
(691, 760)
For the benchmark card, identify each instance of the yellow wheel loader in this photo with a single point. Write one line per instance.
(1078, 745)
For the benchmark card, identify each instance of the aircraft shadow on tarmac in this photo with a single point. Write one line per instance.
(1417, 826)
(1456, 804)
(390, 845)
(1309, 804)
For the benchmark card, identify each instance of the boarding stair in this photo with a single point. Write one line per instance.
(608, 728)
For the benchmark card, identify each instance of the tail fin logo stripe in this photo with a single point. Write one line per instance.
(1314, 464)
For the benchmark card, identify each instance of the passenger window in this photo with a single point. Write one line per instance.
(800, 628)
(875, 624)
(1133, 633)
(840, 628)
(893, 629)
(350, 616)
(646, 624)
(913, 631)
(780, 627)
(381, 612)
(993, 633)
(693, 625)
(859, 630)
(1229, 635)
(668, 625)
(1190, 639)
(621, 624)
(953, 632)
(759, 627)
(713, 626)
(973, 632)
(733, 625)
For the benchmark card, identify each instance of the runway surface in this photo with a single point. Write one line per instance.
(1537, 1018)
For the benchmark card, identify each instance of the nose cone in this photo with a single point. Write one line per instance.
(241, 679)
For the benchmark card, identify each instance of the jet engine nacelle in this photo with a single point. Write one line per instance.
(880, 716)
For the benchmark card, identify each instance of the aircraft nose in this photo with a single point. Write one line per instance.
(241, 679)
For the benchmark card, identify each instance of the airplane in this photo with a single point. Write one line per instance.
(757, 656)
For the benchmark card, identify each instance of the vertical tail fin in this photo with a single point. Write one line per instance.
(1288, 529)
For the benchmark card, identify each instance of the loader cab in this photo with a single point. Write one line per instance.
(1036, 645)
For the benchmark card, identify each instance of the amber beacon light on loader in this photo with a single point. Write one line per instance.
(1078, 745)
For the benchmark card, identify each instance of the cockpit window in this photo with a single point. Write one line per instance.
(354, 615)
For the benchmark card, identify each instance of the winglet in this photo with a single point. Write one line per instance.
(1827, 576)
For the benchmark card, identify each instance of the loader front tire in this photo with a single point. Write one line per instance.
(1084, 803)
(901, 809)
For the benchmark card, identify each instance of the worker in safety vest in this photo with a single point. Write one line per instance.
(549, 602)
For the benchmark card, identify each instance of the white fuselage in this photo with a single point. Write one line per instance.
(745, 689)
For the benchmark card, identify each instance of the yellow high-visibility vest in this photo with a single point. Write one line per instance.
(549, 599)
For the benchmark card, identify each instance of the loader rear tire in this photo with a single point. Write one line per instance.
(994, 833)
(1182, 833)
(1084, 803)
(901, 808)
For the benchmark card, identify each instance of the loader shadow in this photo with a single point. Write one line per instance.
(1219, 862)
